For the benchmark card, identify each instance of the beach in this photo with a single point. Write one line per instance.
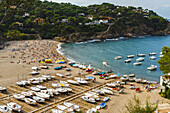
(17, 60)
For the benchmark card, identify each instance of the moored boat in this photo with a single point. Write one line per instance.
(118, 57)
(152, 58)
(130, 56)
(128, 60)
(73, 82)
(141, 55)
(140, 59)
(137, 63)
(153, 53)
(152, 67)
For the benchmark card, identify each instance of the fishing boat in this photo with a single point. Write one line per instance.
(137, 63)
(140, 59)
(30, 101)
(35, 89)
(19, 96)
(60, 75)
(43, 67)
(88, 99)
(111, 84)
(141, 55)
(130, 56)
(14, 106)
(128, 60)
(118, 57)
(35, 68)
(131, 79)
(153, 53)
(38, 99)
(152, 58)
(73, 82)
(102, 105)
(107, 91)
(34, 73)
(2, 89)
(152, 67)
(42, 95)
(106, 99)
(5, 109)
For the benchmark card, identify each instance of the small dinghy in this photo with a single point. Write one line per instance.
(152, 67)
(130, 56)
(5, 109)
(35, 68)
(35, 89)
(2, 89)
(102, 105)
(73, 82)
(118, 57)
(138, 89)
(60, 75)
(19, 96)
(152, 58)
(104, 63)
(128, 61)
(106, 99)
(140, 59)
(58, 68)
(137, 63)
(43, 67)
(88, 99)
(68, 69)
(141, 55)
(14, 106)
(34, 73)
(152, 53)
(30, 101)
(38, 99)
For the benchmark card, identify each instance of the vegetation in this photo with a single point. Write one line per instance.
(50, 19)
(134, 106)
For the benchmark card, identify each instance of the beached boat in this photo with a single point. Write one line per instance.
(35, 68)
(30, 101)
(118, 57)
(48, 92)
(153, 53)
(131, 75)
(106, 99)
(111, 84)
(152, 58)
(2, 89)
(138, 80)
(132, 87)
(144, 81)
(73, 82)
(34, 73)
(92, 110)
(81, 81)
(99, 91)
(141, 55)
(131, 79)
(71, 105)
(35, 89)
(64, 108)
(92, 95)
(26, 82)
(107, 91)
(57, 111)
(60, 75)
(5, 109)
(137, 63)
(62, 90)
(124, 78)
(42, 95)
(21, 84)
(58, 68)
(38, 99)
(41, 87)
(19, 96)
(140, 59)
(88, 99)
(89, 68)
(35, 82)
(108, 88)
(130, 56)
(102, 105)
(76, 65)
(68, 74)
(43, 67)
(152, 67)
(14, 106)
(128, 60)
(28, 94)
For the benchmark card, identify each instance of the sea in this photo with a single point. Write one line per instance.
(97, 51)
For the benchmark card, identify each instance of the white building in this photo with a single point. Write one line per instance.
(103, 21)
(165, 80)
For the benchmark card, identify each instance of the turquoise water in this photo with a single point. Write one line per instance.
(97, 52)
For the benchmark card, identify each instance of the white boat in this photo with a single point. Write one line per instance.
(43, 67)
(104, 63)
(57, 111)
(153, 53)
(92, 95)
(35, 82)
(30, 101)
(152, 67)
(131, 75)
(107, 91)
(160, 53)
(106, 99)
(132, 79)
(140, 59)
(124, 78)
(111, 84)
(34, 73)
(99, 91)
(26, 82)
(144, 81)
(113, 76)
(71, 105)
(5, 109)
(64, 108)
(38, 99)
(89, 67)
(35, 68)
(137, 63)
(82, 81)
(160, 56)
(76, 65)
(19, 96)
(108, 88)
(28, 94)
(41, 87)
(2, 89)
(14, 106)
(88, 99)
(20, 83)
(130, 56)
(152, 58)
(141, 55)
(138, 80)
(42, 95)
(48, 92)
(132, 87)
(73, 82)
(60, 75)
(118, 57)
(128, 60)
(61, 90)
(92, 110)
(35, 89)
(54, 91)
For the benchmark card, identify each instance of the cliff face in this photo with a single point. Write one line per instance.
(114, 32)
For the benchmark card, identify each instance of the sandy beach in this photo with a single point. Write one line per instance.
(17, 59)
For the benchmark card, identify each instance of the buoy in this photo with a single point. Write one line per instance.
(143, 63)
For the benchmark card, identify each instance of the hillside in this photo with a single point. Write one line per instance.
(72, 23)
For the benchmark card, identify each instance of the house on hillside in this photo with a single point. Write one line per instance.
(80, 14)
(165, 80)
(103, 21)
(39, 21)
(26, 15)
(90, 17)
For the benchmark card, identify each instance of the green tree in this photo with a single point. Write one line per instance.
(134, 106)
(14, 34)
